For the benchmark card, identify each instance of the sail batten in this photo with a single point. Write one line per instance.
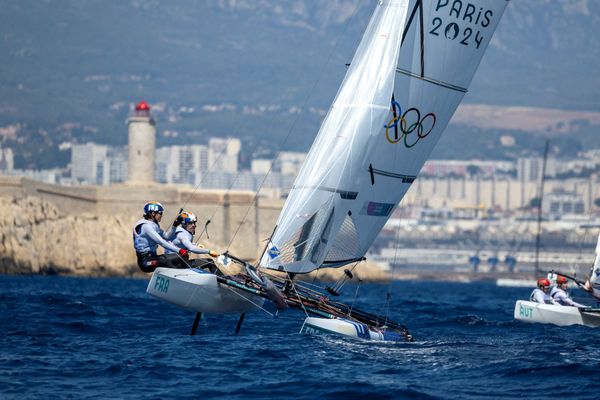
(431, 80)
(380, 129)
(344, 194)
(362, 105)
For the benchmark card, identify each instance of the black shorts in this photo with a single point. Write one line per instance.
(148, 262)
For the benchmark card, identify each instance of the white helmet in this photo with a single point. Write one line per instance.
(188, 217)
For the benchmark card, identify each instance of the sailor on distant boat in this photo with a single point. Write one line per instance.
(540, 294)
(559, 293)
(147, 235)
(183, 237)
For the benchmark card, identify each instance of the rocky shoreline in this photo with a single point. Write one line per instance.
(35, 238)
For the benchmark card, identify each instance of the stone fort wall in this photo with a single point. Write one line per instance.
(82, 227)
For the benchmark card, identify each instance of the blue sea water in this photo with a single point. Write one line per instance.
(74, 338)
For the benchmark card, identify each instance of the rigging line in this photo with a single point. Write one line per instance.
(586, 232)
(268, 240)
(355, 292)
(229, 189)
(304, 285)
(298, 295)
(539, 216)
(250, 301)
(290, 130)
(389, 293)
(216, 207)
(342, 283)
(184, 260)
(306, 290)
(354, 300)
(205, 174)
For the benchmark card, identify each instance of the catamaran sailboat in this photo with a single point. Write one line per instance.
(412, 68)
(529, 311)
(530, 282)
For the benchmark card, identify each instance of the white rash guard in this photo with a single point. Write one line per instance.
(563, 298)
(539, 296)
(184, 239)
(150, 236)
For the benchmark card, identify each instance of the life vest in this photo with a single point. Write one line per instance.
(176, 238)
(536, 291)
(557, 291)
(141, 243)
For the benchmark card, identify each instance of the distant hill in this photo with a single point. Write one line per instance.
(261, 70)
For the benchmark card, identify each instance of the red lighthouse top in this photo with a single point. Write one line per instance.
(142, 110)
(142, 106)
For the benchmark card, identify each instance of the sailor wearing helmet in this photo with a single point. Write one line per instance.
(147, 235)
(559, 293)
(183, 236)
(540, 294)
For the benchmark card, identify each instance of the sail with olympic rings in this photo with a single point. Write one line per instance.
(411, 70)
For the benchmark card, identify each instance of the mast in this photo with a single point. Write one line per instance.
(539, 216)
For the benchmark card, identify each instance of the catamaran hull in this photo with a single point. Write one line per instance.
(200, 291)
(344, 327)
(529, 311)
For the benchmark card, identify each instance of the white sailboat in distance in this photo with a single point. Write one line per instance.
(410, 71)
(530, 311)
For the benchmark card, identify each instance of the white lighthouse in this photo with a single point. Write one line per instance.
(142, 140)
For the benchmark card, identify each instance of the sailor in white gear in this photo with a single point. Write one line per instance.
(184, 237)
(559, 293)
(147, 236)
(540, 294)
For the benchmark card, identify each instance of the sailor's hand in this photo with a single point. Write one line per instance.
(178, 221)
(184, 253)
(213, 253)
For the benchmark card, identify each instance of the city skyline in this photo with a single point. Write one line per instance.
(287, 62)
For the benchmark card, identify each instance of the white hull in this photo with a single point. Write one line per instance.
(198, 290)
(529, 311)
(344, 327)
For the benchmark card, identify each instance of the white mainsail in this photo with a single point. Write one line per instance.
(408, 75)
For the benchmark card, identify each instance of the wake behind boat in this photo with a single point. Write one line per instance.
(410, 71)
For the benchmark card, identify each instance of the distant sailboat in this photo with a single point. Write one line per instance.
(530, 282)
(411, 70)
(529, 311)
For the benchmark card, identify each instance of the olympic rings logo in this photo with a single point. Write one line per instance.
(409, 122)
